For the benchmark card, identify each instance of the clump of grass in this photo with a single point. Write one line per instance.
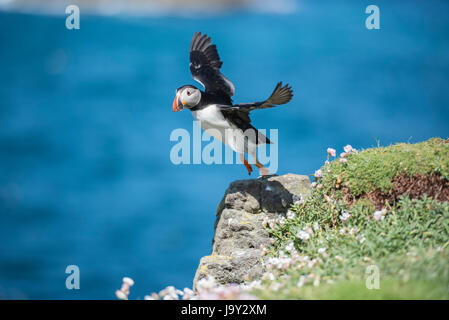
(325, 245)
(376, 168)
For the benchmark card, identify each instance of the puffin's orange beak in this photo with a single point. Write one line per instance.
(175, 105)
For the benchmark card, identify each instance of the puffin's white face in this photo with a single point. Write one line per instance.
(188, 97)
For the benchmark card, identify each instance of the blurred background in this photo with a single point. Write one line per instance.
(86, 116)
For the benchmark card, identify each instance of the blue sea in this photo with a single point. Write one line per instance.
(86, 117)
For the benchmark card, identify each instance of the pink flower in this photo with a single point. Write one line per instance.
(318, 173)
(313, 184)
(348, 148)
(326, 162)
(343, 160)
(344, 216)
(380, 214)
(331, 152)
(343, 154)
(304, 236)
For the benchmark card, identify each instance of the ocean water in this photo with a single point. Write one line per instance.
(85, 120)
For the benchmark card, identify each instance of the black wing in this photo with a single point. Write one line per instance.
(205, 67)
(281, 95)
(239, 113)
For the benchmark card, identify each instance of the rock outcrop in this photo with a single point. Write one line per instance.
(236, 254)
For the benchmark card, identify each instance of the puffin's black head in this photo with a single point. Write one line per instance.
(186, 97)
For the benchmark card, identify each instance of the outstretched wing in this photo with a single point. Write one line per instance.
(239, 113)
(205, 66)
(281, 95)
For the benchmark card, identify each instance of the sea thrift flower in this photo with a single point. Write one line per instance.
(304, 236)
(343, 154)
(308, 230)
(281, 221)
(170, 293)
(252, 285)
(379, 214)
(348, 148)
(331, 152)
(206, 283)
(313, 184)
(316, 226)
(206, 295)
(343, 160)
(208, 289)
(123, 293)
(290, 215)
(323, 252)
(230, 292)
(326, 162)
(318, 173)
(188, 294)
(128, 281)
(344, 216)
(290, 247)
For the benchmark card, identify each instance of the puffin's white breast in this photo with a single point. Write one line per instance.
(212, 118)
(212, 121)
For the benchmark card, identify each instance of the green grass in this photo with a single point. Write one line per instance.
(409, 246)
(356, 290)
(376, 167)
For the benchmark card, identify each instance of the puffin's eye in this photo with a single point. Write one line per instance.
(189, 93)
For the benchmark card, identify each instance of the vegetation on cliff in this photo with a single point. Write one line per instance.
(375, 226)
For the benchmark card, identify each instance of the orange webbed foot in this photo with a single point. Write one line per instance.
(248, 167)
(263, 171)
(246, 163)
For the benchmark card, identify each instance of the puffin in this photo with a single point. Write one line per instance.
(214, 109)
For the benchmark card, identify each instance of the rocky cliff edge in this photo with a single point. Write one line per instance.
(239, 229)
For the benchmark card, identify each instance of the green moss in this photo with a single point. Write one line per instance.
(410, 245)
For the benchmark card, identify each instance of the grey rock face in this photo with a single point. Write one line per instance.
(236, 254)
